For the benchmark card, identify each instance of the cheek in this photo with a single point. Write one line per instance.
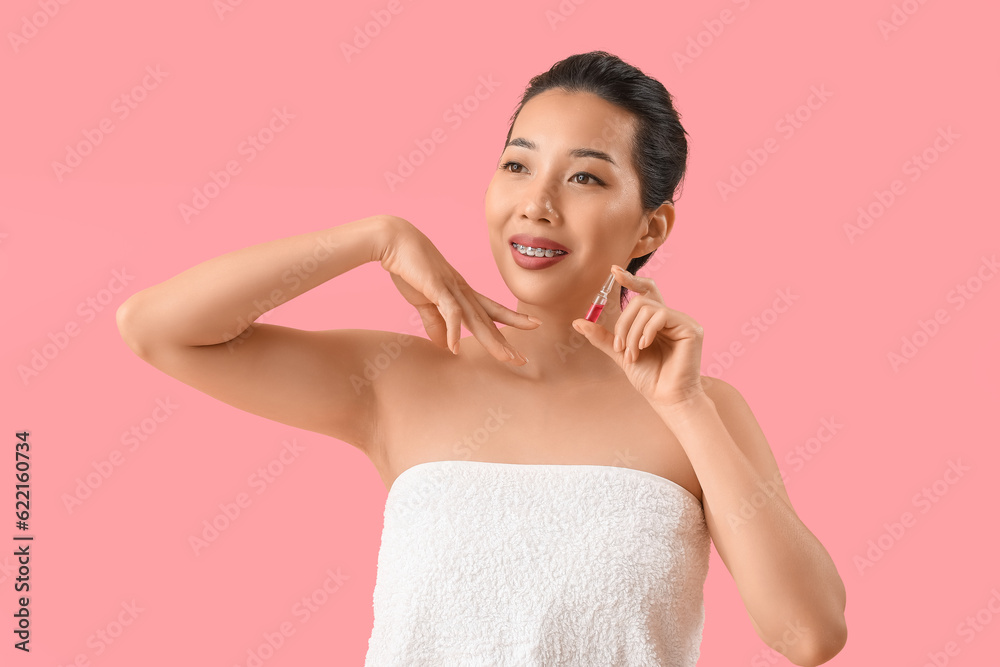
(610, 240)
(489, 204)
(495, 215)
(624, 207)
(495, 200)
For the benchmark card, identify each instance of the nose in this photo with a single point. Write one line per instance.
(538, 203)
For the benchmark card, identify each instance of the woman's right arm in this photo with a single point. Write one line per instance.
(199, 327)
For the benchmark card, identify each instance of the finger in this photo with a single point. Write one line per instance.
(673, 324)
(451, 311)
(434, 324)
(653, 327)
(496, 312)
(481, 325)
(501, 313)
(624, 323)
(599, 337)
(630, 281)
(636, 330)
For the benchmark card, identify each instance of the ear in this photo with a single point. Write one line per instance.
(658, 227)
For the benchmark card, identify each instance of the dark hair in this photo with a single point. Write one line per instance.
(659, 146)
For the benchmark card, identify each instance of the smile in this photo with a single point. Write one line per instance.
(536, 252)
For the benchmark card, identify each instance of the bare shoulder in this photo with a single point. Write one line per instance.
(390, 359)
(386, 348)
(393, 363)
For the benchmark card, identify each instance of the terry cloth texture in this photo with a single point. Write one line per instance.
(485, 563)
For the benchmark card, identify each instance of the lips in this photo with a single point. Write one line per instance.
(537, 242)
(534, 263)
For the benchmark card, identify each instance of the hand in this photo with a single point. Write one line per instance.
(660, 348)
(443, 298)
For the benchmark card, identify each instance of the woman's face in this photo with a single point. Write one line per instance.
(546, 186)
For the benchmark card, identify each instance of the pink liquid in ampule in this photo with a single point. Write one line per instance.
(594, 312)
(602, 298)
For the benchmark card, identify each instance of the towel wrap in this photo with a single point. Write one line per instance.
(485, 563)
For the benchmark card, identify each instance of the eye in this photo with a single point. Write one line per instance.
(593, 179)
(590, 176)
(508, 163)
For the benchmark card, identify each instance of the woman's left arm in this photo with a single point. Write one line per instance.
(787, 580)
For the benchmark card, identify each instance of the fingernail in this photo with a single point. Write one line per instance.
(534, 319)
(454, 348)
(510, 352)
(618, 344)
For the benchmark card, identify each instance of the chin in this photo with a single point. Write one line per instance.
(539, 291)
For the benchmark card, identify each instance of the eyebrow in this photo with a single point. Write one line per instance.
(575, 152)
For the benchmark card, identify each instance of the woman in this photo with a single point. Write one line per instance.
(552, 485)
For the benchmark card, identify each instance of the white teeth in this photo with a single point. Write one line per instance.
(537, 252)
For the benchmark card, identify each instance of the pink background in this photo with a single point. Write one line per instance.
(64, 236)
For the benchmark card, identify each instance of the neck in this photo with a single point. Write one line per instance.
(556, 353)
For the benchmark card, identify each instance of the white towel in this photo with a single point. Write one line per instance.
(485, 563)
